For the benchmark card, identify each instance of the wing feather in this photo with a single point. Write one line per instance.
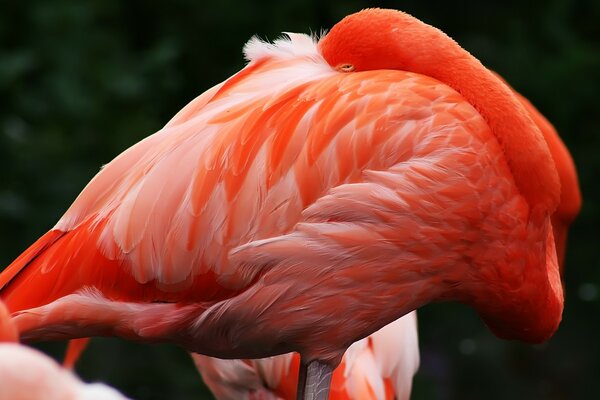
(238, 165)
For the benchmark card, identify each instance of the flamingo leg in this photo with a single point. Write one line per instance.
(314, 381)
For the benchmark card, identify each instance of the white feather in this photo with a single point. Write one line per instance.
(27, 374)
(294, 45)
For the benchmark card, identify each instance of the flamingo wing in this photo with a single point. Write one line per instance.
(239, 164)
(290, 187)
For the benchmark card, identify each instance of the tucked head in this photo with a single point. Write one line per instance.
(383, 39)
(375, 39)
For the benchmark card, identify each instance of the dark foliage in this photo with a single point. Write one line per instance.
(82, 81)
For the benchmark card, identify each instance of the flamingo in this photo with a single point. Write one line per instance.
(380, 366)
(27, 374)
(325, 190)
(366, 373)
(367, 376)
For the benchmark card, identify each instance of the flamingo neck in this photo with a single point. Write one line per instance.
(387, 39)
(532, 311)
(525, 149)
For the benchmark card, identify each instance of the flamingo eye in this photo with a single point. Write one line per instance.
(345, 67)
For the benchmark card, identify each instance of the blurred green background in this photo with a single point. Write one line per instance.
(80, 81)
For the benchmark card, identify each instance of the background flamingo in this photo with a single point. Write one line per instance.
(380, 366)
(27, 374)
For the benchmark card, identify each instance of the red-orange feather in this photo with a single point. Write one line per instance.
(73, 261)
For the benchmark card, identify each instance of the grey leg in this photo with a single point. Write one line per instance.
(314, 380)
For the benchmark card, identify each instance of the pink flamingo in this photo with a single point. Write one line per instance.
(27, 374)
(314, 197)
(378, 367)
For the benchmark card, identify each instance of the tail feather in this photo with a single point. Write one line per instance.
(27, 257)
(62, 263)
(57, 264)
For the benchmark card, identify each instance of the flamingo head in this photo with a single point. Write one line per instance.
(385, 39)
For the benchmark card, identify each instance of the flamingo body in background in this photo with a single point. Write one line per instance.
(319, 194)
(27, 374)
(378, 367)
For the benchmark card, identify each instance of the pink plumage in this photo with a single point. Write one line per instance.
(27, 374)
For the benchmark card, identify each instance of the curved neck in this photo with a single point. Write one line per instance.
(388, 39)
(526, 151)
